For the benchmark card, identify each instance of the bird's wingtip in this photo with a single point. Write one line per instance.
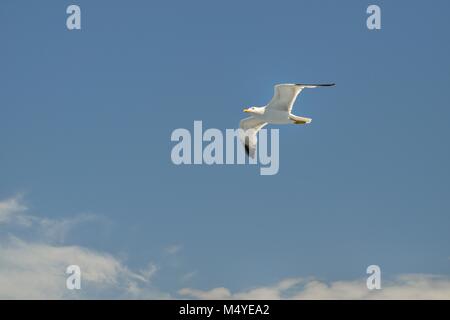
(316, 85)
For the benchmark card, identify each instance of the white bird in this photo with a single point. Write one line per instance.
(278, 111)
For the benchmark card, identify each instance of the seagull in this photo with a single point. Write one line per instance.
(278, 111)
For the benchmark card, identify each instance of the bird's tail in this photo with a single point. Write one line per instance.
(299, 120)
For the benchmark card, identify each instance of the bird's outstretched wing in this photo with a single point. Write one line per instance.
(250, 127)
(285, 94)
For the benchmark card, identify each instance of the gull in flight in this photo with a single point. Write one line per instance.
(278, 111)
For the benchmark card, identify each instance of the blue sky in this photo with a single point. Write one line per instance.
(86, 118)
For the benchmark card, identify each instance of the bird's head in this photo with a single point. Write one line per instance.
(254, 110)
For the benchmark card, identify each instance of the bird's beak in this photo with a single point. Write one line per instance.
(246, 110)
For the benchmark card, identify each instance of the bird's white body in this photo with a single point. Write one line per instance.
(273, 116)
(277, 111)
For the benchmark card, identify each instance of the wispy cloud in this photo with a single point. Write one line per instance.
(275, 292)
(35, 269)
(407, 286)
(12, 211)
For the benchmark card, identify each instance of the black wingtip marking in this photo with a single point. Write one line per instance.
(317, 85)
(247, 150)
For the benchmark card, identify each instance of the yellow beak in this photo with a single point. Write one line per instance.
(246, 110)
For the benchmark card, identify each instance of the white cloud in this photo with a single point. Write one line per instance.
(148, 273)
(275, 292)
(216, 293)
(408, 286)
(11, 210)
(36, 269)
(57, 229)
